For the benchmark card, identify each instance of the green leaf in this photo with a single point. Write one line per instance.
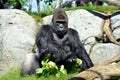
(52, 65)
(89, 4)
(58, 74)
(78, 62)
(63, 70)
(45, 61)
(39, 71)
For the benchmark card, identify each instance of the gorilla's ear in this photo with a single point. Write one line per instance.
(60, 15)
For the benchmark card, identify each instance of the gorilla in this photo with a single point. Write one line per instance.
(61, 42)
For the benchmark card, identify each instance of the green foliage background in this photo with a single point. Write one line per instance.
(13, 2)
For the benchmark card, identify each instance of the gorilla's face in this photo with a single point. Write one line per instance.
(60, 23)
(60, 28)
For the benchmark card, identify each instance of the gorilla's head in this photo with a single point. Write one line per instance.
(60, 23)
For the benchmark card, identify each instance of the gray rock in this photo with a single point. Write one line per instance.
(115, 24)
(102, 52)
(89, 43)
(116, 34)
(87, 24)
(17, 37)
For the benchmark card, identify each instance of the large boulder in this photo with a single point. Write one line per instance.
(17, 37)
(102, 52)
(115, 25)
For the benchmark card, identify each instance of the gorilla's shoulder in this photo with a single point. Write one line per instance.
(72, 31)
(45, 27)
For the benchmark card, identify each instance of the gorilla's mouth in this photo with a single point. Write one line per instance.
(61, 28)
(61, 34)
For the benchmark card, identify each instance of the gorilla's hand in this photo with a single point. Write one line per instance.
(71, 60)
(59, 56)
(64, 56)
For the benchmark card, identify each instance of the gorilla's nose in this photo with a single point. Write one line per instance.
(61, 27)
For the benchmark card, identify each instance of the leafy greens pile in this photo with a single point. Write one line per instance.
(50, 68)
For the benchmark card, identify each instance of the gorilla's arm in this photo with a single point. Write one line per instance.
(78, 48)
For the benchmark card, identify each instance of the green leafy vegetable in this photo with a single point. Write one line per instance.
(62, 71)
(50, 68)
(78, 62)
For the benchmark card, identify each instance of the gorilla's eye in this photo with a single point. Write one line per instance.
(61, 22)
(57, 24)
(65, 24)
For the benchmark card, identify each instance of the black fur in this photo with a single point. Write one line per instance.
(61, 42)
(64, 46)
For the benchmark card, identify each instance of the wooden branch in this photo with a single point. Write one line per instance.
(107, 30)
(108, 70)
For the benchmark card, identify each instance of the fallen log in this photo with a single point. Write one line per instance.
(107, 71)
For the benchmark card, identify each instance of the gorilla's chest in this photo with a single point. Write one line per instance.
(60, 40)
